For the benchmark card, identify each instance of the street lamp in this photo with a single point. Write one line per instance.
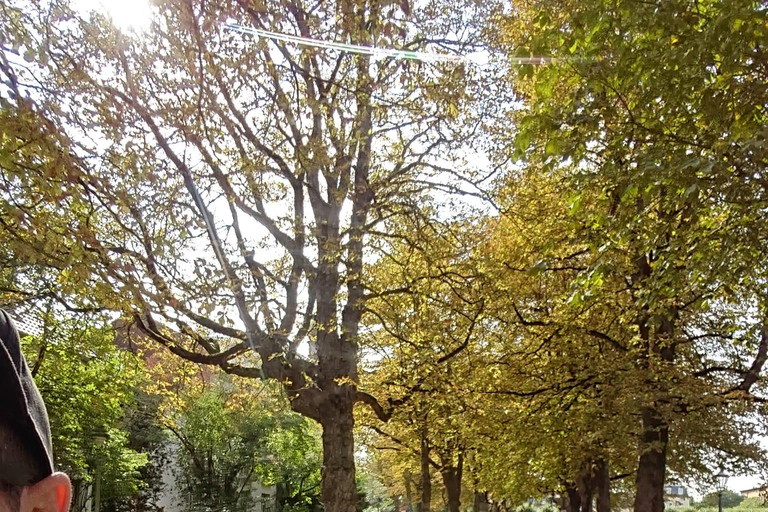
(722, 480)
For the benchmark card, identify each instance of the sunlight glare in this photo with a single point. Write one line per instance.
(128, 15)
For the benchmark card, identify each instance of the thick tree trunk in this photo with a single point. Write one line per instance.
(603, 486)
(453, 490)
(654, 437)
(652, 465)
(338, 489)
(570, 500)
(452, 481)
(584, 486)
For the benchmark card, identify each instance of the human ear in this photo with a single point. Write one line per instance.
(52, 494)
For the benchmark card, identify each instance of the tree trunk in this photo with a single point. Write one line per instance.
(452, 481)
(570, 501)
(652, 464)
(280, 495)
(426, 478)
(603, 486)
(584, 486)
(338, 478)
(408, 492)
(480, 503)
(651, 467)
(453, 489)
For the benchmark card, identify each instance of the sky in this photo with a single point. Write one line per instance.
(742, 483)
(130, 15)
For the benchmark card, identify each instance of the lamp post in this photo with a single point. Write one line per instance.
(722, 480)
(99, 438)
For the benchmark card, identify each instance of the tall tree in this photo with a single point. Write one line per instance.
(423, 334)
(657, 122)
(228, 186)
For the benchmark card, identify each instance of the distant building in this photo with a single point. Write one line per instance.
(676, 496)
(28, 321)
(757, 492)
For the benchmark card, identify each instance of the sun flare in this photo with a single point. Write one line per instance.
(128, 15)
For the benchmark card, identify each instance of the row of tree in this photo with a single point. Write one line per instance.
(582, 310)
(606, 324)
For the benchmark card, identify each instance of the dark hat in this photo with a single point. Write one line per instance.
(25, 435)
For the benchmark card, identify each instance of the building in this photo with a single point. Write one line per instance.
(676, 496)
(28, 321)
(757, 492)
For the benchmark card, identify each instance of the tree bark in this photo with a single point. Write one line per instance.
(480, 503)
(452, 481)
(603, 486)
(338, 477)
(408, 492)
(584, 486)
(654, 437)
(570, 501)
(652, 465)
(453, 489)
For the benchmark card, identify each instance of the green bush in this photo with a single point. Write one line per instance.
(730, 499)
(754, 503)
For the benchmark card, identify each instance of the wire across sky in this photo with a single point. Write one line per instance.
(379, 52)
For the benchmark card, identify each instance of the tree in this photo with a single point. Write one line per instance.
(557, 390)
(373, 492)
(655, 126)
(226, 194)
(218, 454)
(423, 333)
(568, 390)
(730, 499)
(478, 398)
(753, 503)
(231, 437)
(146, 435)
(294, 463)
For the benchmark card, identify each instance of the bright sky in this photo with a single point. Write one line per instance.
(127, 15)
(742, 483)
(735, 484)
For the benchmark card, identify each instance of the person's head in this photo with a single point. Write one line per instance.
(27, 480)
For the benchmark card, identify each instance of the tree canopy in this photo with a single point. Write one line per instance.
(539, 266)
